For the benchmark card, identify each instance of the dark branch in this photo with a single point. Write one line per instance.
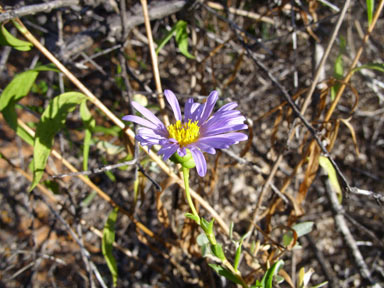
(34, 9)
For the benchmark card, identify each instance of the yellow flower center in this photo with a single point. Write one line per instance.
(184, 133)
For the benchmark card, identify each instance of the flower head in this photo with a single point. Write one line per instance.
(198, 131)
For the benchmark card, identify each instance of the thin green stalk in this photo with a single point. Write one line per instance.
(188, 195)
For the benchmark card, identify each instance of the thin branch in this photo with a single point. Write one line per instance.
(342, 227)
(96, 170)
(377, 196)
(37, 8)
(84, 251)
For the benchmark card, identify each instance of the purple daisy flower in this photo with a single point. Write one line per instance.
(198, 131)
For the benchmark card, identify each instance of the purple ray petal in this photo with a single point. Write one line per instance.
(147, 114)
(201, 164)
(168, 150)
(228, 106)
(140, 121)
(223, 141)
(196, 111)
(208, 106)
(205, 148)
(224, 129)
(212, 124)
(188, 109)
(172, 100)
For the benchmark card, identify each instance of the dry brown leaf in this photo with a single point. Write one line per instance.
(310, 173)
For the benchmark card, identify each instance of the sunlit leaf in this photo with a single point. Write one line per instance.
(166, 39)
(236, 261)
(7, 39)
(182, 39)
(372, 66)
(179, 30)
(328, 167)
(267, 281)
(107, 244)
(18, 88)
(370, 8)
(52, 120)
(89, 124)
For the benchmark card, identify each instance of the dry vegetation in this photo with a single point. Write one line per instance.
(260, 60)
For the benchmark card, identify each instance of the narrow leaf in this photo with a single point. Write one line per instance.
(166, 39)
(372, 66)
(182, 38)
(52, 120)
(7, 39)
(107, 244)
(89, 124)
(267, 280)
(236, 261)
(328, 167)
(224, 272)
(370, 8)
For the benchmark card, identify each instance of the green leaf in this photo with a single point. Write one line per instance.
(179, 30)
(107, 244)
(52, 120)
(18, 88)
(328, 167)
(267, 280)
(7, 39)
(207, 226)
(166, 39)
(88, 199)
(10, 116)
(217, 250)
(338, 72)
(224, 272)
(89, 124)
(238, 250)
(192, 217)
(322, 284)
(182, 38)
(370, 9)
(53, 186)
(372, 66)
(301, 229)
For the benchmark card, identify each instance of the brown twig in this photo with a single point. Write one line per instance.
(155, 65)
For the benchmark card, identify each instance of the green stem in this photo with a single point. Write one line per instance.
(188, 195)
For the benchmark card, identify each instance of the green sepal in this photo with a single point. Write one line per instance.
(186, 161)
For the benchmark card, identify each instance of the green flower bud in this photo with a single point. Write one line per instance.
(186, 161)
